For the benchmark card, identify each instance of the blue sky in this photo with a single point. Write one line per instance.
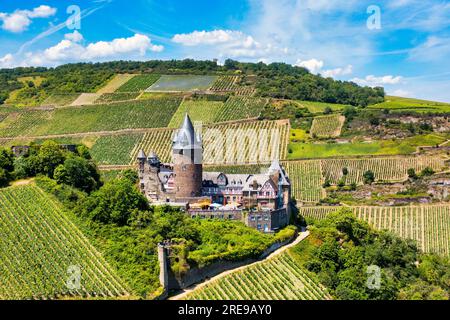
(405, 48)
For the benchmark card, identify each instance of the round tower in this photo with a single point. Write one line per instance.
(187, 152)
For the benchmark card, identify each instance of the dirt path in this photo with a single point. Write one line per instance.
(302, 235)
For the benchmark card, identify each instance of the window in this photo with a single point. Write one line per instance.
(230, 216)
(258, 227)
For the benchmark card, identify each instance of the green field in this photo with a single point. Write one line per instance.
(40, 246)
(115, 149)
(138, 83)
(60, 99)
(150, 113)
(397, 104)
(198, 110)
(278, 278)
(182, 83)
(319, 107)
(377, 147)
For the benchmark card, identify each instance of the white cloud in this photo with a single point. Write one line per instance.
(338, 72)
(70, 49)
(7, 61)
(313, 65)
(74, 36)
(227, 43)
(374, 81)
(433, 49)
(19, 20)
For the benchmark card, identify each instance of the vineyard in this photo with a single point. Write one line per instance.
(429, 225)
(60, 99)
(139, 83)
(121, 96)
(327, 126)
(306, 180)
(198, 110)
(39, 246)
(225, 84)
(115, 149)
(279, 278)
(116, 82)
(158, 141)
(150, 113)
(236, 108)
(390, 169)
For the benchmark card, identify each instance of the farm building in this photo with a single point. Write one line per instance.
(260, 200)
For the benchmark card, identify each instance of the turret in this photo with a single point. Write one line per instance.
(187, 151)
(141, 160)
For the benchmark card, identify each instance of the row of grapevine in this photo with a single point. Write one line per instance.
(224, 84)
(139, 83)
(327, 126)
(279, 278)
(429, 225)
(42, 252)
(237, 107)
(232, 143)
(117, 96)
(306, 180)
(198, 110)
(385, 169)
(151, 113)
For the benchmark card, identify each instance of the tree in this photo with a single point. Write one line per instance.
(49, 156)
(412, 173)
(327, 110)
(427, 171)
(77, 172)
(115, 202)
(5, 177)
(368, 177)
(6, 160)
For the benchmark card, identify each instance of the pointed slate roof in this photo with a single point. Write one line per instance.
(185, 137)
(141, 155)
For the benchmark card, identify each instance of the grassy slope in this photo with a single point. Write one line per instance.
(384, 147)
(408, 104)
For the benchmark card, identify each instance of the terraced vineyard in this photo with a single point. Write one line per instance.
(385, 168)
(327, 126)
(306, 179)
(245, 142)
(115, 149)
(255, 142)
(429, 225)
(85, 99)
(236, 108)
(121, 96)
(139, 83)
(225, 84)
(39, 244)
(158, 141)
(150, 113)
(198, 110)
(278, 278)
(60, 99)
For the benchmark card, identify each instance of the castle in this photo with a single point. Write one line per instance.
(262, 201)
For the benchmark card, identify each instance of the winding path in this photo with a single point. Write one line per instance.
(302, 235)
